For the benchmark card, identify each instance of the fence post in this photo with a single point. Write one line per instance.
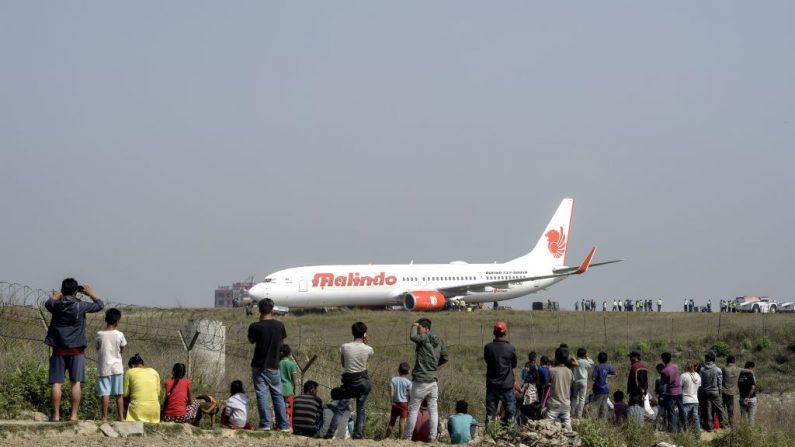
(46, 329)
(720, 314)
(299, 338)
(672, 330)
(481, 335)
(604, 320)
(459, 331)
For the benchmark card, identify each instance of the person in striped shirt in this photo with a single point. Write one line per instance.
(307, 411)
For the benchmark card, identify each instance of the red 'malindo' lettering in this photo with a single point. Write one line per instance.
(353, 279)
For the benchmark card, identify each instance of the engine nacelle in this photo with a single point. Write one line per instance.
(423, 300)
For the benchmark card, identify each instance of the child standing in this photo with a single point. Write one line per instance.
(600, 389)
(460, 425)
(399, 389)
(287, 369)
(619, 408)
(110, 344)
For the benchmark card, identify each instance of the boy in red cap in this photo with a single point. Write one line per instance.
(500, 358)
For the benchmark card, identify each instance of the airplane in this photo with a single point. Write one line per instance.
(430, 287)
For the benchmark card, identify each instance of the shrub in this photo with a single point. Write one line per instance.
(27, 388)
(747, 436)
(643, 347)
(764, 343)
(747, 343)
(721, 348)
(597, 434)
(791, 346)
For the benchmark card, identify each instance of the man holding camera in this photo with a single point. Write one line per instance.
(66, 336)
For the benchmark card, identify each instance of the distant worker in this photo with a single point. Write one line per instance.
(576, 306)
(659, 304)
(615, 304)
(604, 306)
(500, 358)
(66, 335)
(685, 305)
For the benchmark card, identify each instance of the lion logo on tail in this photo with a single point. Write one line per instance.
(556, 242)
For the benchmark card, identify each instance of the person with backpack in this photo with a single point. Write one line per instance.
(638, 377)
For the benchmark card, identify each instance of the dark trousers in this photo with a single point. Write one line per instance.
(508, 399)
(713, 403)
(675, 412)
(728, 404)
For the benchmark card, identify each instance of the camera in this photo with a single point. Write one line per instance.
(80, 289)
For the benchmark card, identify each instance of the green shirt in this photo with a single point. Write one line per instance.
(287, 369)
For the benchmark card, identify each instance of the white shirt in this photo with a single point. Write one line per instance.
(355, 356)
(237, 409)
(690, 384)
(109, 344)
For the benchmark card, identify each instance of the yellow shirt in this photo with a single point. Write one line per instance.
(142, 386)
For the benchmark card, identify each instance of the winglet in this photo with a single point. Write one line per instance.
(585, 264)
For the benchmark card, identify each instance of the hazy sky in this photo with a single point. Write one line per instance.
(156, 150)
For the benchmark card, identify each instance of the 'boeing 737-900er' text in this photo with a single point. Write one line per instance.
(427, 287)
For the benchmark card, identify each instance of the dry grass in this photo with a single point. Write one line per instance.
(154, 334)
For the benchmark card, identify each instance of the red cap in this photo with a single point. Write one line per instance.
(500, 327)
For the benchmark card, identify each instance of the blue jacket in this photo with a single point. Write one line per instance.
(68, 324)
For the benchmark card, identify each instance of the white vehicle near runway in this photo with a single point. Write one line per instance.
(755, 304)
(787, 307)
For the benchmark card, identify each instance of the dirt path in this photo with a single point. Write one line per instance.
(88, 434)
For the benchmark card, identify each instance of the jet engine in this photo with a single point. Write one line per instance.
(423, 300)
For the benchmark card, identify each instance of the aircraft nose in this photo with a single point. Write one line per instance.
(258, 291)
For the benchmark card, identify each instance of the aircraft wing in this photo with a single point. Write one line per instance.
(505, 283)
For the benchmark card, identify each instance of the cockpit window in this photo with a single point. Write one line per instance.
(268, 280)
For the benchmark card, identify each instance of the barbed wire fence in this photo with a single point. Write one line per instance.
(165, 337)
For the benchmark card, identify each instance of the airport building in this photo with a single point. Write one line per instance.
(232, 296)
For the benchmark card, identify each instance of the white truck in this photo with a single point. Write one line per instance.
(756, 304)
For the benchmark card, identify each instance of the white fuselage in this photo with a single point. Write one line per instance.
(385, 285)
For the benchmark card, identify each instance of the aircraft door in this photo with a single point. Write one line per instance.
(302, 285)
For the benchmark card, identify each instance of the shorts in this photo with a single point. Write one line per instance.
(110, 385)
(399, 410)
(75, 364)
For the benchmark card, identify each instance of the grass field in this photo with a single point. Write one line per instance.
(766, 339)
